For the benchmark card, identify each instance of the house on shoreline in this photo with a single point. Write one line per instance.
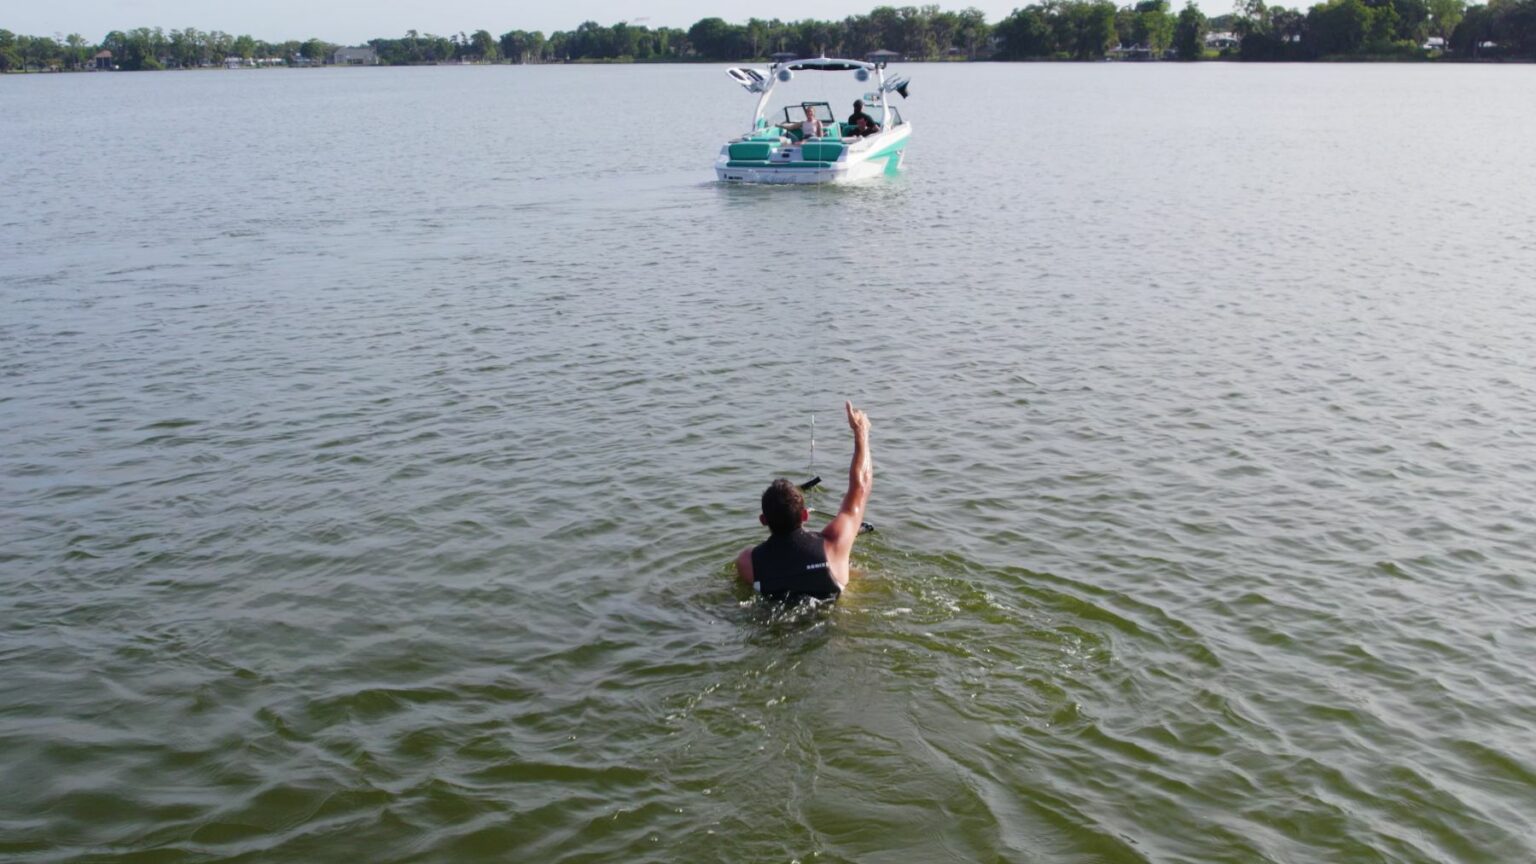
(362, 55)
(1223, 41)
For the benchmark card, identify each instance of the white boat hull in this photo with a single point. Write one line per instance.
(870, 157)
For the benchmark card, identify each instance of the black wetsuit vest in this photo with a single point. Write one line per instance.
(791, 566)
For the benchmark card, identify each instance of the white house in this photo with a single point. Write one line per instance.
(1222, 41)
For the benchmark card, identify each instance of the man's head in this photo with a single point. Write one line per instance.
(858, 104)
(783, 507)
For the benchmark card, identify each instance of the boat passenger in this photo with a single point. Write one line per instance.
(794, 564)
(862, 123)
(812, 127)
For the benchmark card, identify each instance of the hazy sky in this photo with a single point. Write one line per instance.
(357, 20)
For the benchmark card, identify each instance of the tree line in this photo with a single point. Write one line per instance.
(925, 32)
(1334, 29)
(151, 48)
(1385, 28)
(1052, 29)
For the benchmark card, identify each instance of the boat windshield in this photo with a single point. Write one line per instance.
(798, 113)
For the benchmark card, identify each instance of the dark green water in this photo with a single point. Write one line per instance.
(374, 443)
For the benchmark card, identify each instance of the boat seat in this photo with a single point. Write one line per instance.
(753, 150)
(821, 151)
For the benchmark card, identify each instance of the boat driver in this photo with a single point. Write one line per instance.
(811, 128)
(793, 564)
(862, 123)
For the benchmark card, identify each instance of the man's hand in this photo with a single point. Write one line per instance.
(861, 473)
(857, 421)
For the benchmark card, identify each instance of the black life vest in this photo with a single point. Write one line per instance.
(791, 566)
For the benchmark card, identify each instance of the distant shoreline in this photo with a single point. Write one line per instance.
(1343, 60)
(1369, 31)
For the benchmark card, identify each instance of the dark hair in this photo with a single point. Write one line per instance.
(782, 503)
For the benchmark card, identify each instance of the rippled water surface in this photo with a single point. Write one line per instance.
(373, 445)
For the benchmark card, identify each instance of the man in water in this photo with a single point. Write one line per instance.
(862, 123)
(794, 563)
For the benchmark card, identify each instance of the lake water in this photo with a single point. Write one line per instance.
(374, 444)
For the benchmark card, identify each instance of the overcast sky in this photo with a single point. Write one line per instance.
(353, 21)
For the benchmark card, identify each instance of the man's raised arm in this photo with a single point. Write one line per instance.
(861, 475)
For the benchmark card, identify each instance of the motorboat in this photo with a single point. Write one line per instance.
(777, 148)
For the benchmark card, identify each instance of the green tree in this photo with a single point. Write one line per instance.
(885, 29)
(916, 39)
(483, 45)
(862, 33)
(217, 45)
(183, 48)
(515, 46)
(437, 49)
(1189, 33)
(1153, 26)
(1337, 27)
(1444, 15)
(717, 40)
(1093, 29)
(591, 40)
(316, 50)
(1383, 24)
(1251, 16)
(538, 46)
(77, 51)
(623, 40)
(1026, 33)
(944, 26)
(1125, 26)
(10, 57)
(135, 50)
(825, 37)
(670, 42)
(1289, 26)
(556, 47)
(1518, 26)
(1509, 25)
(757, 33)
(973, 31)
(1412, 20)
(39, 52)
(1475, 28)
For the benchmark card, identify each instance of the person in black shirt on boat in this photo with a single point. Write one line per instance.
(794, 563)
(862, 123)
